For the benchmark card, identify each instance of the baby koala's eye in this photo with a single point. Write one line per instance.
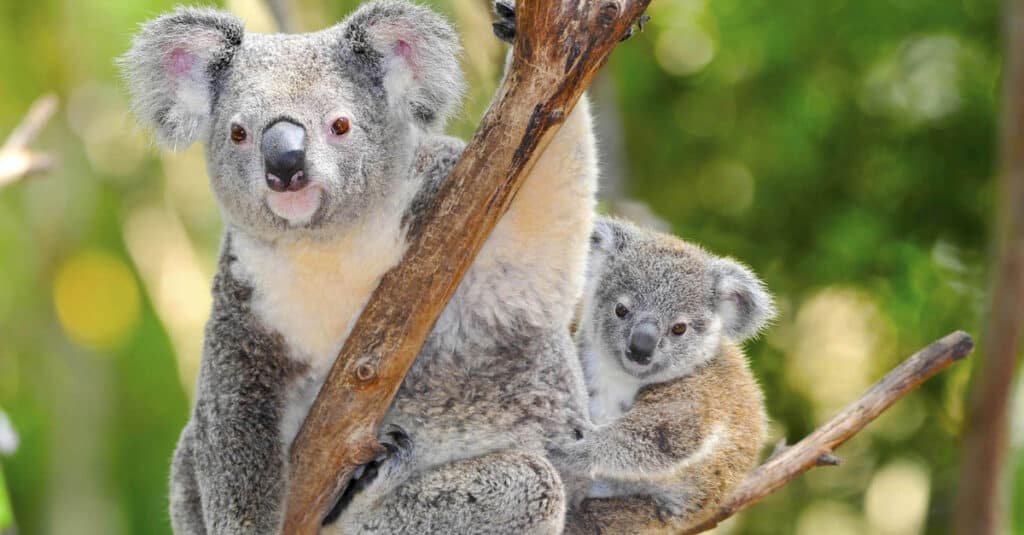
(621, 310)
(340, 126)
(238, 133)
(679, 328)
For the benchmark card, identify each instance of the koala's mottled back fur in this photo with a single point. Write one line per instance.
(323, 149)
(681, 418)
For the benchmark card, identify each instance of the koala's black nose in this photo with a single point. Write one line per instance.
(284, 156)
(642, 341)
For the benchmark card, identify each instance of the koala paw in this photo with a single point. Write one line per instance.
(397, 452)
(505, 27)
(396, 441)
(573, 458)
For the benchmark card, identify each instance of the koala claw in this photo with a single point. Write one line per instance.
(505, 27)
(505, 9)
(504, 31)
(396, 440)
(397, 446)
(644, 19)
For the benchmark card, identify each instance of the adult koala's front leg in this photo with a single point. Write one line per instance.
(230, 464)
(228, 472)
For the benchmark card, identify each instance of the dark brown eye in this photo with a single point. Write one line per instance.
(340, 126)
(621, 310)
(238, 134)
(678, 329)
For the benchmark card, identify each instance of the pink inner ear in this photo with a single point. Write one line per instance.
(404, 50)
(179, 62)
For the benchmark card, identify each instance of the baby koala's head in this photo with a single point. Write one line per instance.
(660, 306)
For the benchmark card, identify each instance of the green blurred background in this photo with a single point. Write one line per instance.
(844, 149)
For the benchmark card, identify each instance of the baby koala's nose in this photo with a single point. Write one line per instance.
(642, 341)
(284, 156)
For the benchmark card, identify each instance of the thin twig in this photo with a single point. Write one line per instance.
(16, 160)
(816, 449)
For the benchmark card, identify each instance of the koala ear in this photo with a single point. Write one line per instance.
(173, 68)
(741, 299)
(607, 236)
(416, 52)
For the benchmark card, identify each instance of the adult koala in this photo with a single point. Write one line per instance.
(322, 150)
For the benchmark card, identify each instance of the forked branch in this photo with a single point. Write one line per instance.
(16, 160)
(816, 449)
(560, 45)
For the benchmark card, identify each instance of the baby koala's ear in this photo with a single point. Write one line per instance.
(173, 67)
(741, 300)
(608, 236)
(416, 53)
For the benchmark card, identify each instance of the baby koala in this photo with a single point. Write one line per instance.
(680, 418)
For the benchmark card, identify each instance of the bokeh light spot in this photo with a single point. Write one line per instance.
(836, 334)
(97, 300)
(897, 498)
(833, 518)
(919, 82)
(684, 49)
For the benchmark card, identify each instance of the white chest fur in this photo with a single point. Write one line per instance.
(311, 291)
(612, 390)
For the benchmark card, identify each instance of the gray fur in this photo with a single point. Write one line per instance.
(226, 476)
(254, 79)
(664, 280)
(199, 42)
(498, 383)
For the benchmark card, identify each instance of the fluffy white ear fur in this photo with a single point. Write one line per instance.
(171, 69)
(419, 53)
(744, 305)
(603, 235)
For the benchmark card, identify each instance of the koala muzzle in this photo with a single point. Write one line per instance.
(284, 156)
(643, 338)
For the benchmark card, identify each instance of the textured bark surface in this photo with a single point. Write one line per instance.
(984, 487)
(816, 449)
(560, 45)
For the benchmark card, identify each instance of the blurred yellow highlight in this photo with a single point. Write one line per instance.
(829, 517)
(255, 14)
(97, 300)
(897, 498)
(684, 46)
(174, 279)
(836, 334)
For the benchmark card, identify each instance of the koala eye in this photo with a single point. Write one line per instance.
(340, 126)
(679, 328)
(621, 310)
(238, 133)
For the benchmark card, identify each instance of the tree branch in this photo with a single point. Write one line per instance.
(16, 161)
(560, 45)
(982, 502)
(816, 449)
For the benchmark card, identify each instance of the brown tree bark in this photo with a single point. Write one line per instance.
(560, 45)
(982, 498)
